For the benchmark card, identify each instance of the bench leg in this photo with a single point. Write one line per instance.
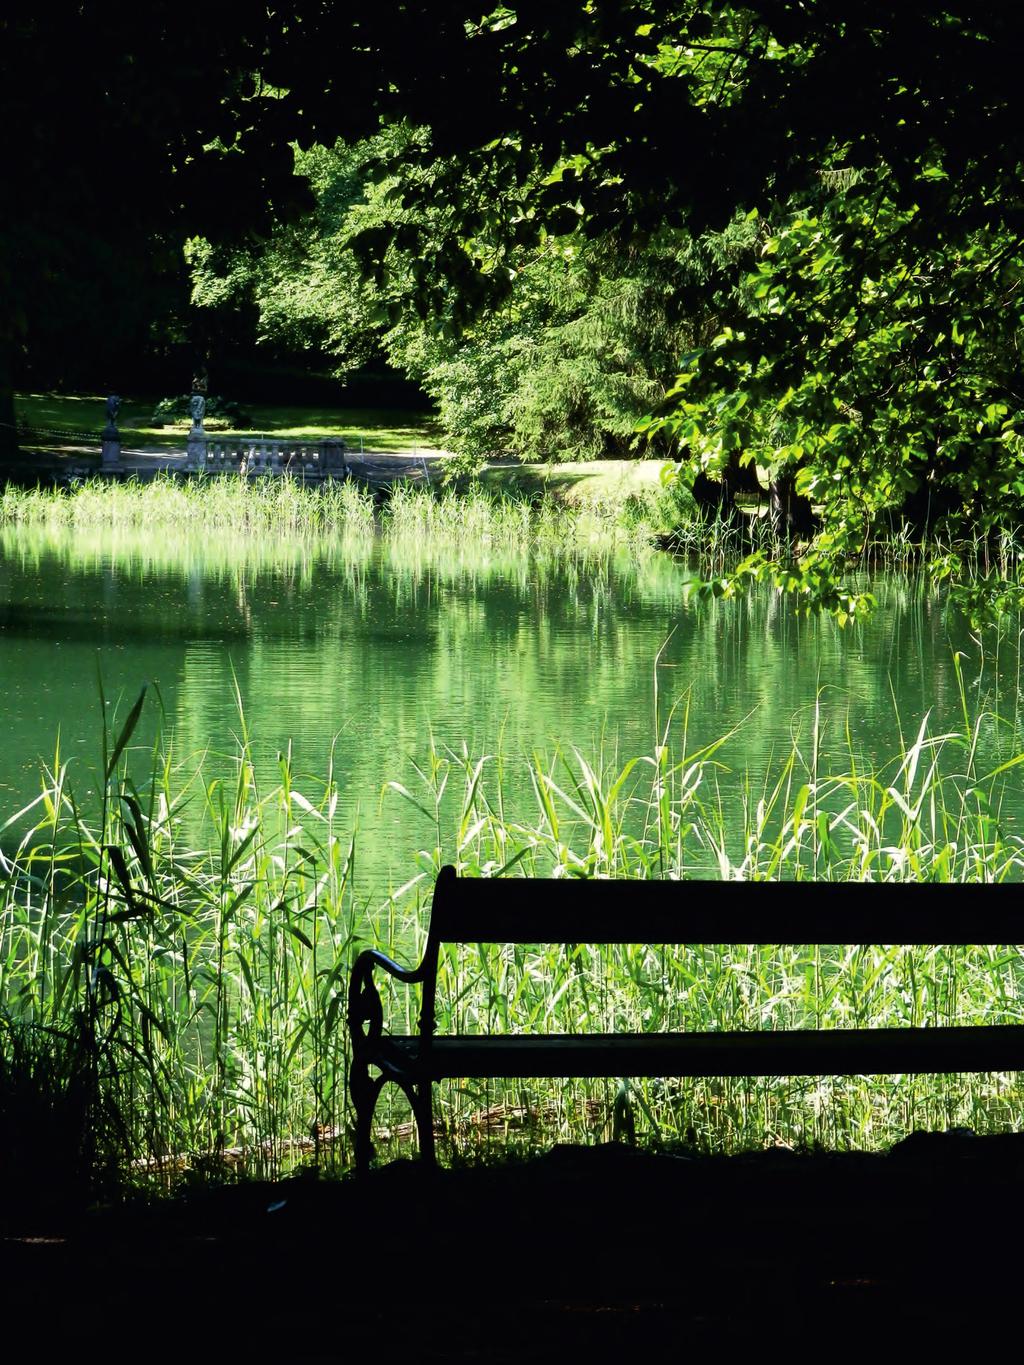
(423, 1112)
(364, 1090)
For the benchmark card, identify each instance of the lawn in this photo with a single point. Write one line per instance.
(382, 429)
(598, 482)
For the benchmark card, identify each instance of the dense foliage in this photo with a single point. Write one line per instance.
(535, 257)
(577, 352)
(872, 368)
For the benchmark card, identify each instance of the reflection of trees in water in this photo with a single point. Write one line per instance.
(386, 643)
(862, 686)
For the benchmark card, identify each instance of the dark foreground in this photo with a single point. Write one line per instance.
(600, 1253)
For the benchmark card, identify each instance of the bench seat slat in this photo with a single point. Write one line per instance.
(649, 914)
(839, 1052)
(538, 910)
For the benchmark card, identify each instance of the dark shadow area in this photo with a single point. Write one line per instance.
(599, 1250)
(43, 622)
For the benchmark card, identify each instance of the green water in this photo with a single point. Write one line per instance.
(378, 649)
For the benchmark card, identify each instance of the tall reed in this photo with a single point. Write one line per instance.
(201, 980)
(274, 506)
(174, 956)
(931, 815)
(284, 506)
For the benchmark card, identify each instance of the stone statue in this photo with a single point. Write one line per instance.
(197, 407)
(110, 437)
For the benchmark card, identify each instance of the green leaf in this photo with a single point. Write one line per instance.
(127, 730)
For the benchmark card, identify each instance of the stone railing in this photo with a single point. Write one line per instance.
(268, 455)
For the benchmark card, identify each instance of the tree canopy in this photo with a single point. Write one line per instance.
(862, 355)
(580, 346)
(125, 129)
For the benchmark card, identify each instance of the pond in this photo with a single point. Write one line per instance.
(381, 652)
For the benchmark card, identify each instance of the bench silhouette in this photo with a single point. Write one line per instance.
(568, 911)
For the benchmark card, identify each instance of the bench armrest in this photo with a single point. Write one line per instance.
(364, 1002)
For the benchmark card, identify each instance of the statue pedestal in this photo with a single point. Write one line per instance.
(197, 448)
(110, 448)
(332, 456)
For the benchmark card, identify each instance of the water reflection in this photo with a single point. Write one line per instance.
(380, 647)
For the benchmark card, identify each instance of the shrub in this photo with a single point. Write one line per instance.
(221, 413)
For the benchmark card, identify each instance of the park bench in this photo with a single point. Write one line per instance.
(536, 911)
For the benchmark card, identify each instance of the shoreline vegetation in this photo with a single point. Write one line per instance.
(175, 954)
(286, 507)
(523, 512)
(564, 508)
(584, 506)
(174, 951)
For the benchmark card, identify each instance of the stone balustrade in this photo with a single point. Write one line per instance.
(267, 455)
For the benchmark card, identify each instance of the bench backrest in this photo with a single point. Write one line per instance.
(535, 910)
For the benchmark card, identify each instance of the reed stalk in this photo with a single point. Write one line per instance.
(174, 958)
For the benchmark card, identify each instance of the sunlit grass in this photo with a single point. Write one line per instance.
(368, 429)
(174, 951)
(284, 507)
(281, 506)
(596, 481)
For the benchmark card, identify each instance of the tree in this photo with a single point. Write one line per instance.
(870, 363)
(629, 117)
(876, 373)
(867, 361)
(130, 125)
(565, 365)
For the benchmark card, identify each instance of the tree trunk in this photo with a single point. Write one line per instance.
(928, 502)
(792, 512)
(717, 498)
(712, 497)
(8, 424)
